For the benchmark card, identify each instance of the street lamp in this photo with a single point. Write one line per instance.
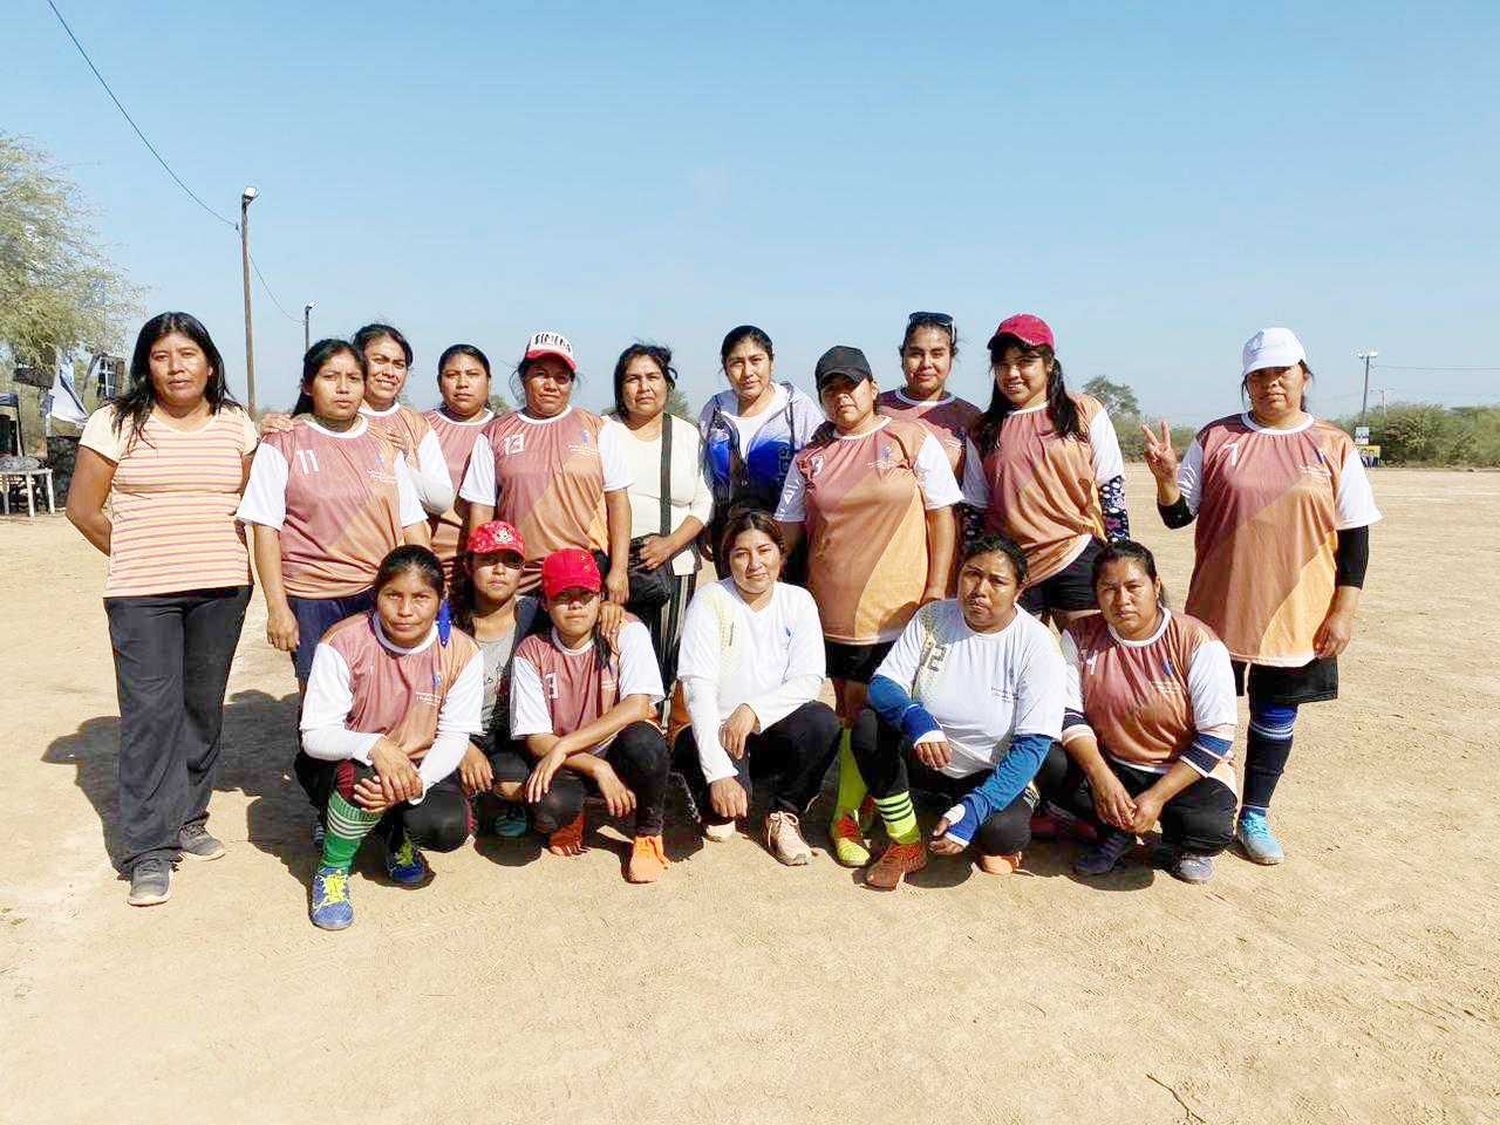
(246, 198)
(307, 325)
(1364, 401)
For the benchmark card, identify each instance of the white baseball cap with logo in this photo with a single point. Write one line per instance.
(551, 343)
(1272, 347)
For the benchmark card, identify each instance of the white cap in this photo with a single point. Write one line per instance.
(1272, 347)
(551, 343)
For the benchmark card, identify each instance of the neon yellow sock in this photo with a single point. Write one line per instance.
(900, 818)
(852, 789)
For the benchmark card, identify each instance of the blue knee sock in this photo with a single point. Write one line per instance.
(1266, 750)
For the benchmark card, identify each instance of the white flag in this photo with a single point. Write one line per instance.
(63, 401)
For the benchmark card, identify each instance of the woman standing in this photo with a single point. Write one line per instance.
(390, 707)
(329, 498)
(927, 353)
(1284, 508)
(554, 471)
(170, 458)
(669, 497)
(752, 430)
(966, 705)
(752, 667)
(388, 363)
(875, 497)
(586, 711)
(464, 383)
(1149, 723)
(1049, 475)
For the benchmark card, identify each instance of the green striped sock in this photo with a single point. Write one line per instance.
(347, 826)
(900, 818)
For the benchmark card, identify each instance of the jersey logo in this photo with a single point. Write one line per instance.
(549, 682)
(815, 465)
(513, 444)
(886, 460)
(1233, 449)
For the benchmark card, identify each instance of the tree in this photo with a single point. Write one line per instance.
(58, 291)
(1118, 398)
(499, 404)
(678, 404)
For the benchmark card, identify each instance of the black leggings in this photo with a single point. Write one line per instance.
(1199, 820)
(790, 755)
(441, 823)
(638, 754)
(887, 763)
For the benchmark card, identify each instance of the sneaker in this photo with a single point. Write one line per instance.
(1102, 859)
(195, 842)
(784, 839)
(1256, 840)
(718, 831)
(511, 821)
(648, 860)
(331, 908)
(998, 864)
(1191, 868)
(849, 846)
(1052, 823)
(567, 840)
(896, 861)
(150, 882)
(406, 866)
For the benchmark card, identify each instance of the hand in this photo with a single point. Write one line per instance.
(655, 550)
(399, 780)
(541, 777)
(619, 800)
(734, 730)
(934, 755)
(1334, 635)
(728, 798)
(281, 629)
(611, 617)
(274, 423)
(933, 594)
(617, 584)
(369, 796)
(475, 773)
(940, 844)
(1112, 804)
(1147, 812)
(1161, 457)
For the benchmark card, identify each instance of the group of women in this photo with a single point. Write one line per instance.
(493, 618)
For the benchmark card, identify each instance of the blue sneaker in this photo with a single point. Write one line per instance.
(331, 908)
(511, 821)
(406, 866)
(1256, 840)
(1102, 859)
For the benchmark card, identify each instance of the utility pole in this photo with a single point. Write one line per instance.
(246, 198)
(1364, 402)
(1382, 402)
(307, 325)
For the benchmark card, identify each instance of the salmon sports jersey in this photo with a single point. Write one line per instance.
(1042, 491)
(457, 441)
(864, 499)
(556, 690)
(339, 500)
(547, 478)
(1151, 702)
(951, 420)
(1269, 507)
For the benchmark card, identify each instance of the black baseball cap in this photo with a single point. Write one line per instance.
(841, 362)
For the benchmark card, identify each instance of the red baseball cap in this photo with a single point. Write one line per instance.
(495, 537)
(570, 569)
(1030, 330)
(553, 344)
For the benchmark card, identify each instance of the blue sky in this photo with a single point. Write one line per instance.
(1158, 182)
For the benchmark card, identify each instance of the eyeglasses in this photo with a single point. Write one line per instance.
(936, 319)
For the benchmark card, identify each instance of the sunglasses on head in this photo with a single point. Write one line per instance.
(936, 319)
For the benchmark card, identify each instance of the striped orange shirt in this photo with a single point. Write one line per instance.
(172, 502)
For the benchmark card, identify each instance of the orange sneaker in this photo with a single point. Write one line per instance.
(998, 864)
(648, 859)
(567, 840)
(897, 860)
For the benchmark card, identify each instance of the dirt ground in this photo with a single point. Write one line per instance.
(1356, 983)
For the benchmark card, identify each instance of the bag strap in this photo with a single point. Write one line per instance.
(666, 474)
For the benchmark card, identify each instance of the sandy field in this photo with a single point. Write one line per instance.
(1356, 983)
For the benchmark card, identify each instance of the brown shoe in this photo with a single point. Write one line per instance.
(648, 860)
(998, 864)
(567, 840)
(784, 839)
(896, 861)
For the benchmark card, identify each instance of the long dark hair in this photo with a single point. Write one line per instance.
(659, 354)
(1062, 411)
(372, 332)
(139, 400)
(313, 361)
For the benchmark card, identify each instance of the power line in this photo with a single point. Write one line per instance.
(266, 286)
(126, 113)
(1398, 367)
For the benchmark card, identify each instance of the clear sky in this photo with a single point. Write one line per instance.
(1157, 181)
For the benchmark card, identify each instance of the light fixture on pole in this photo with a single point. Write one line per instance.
(1364, 401)
(246, 198)
(307, 325)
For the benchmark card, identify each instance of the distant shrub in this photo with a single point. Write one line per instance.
(1424, 433)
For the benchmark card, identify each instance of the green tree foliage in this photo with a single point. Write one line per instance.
(57, 289)
(1118, 398)
(499, 403)
(1424, 433)
(678, 404)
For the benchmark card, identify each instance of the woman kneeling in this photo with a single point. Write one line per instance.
(1149, 724)
(585, 714)
(392, 699)
(969, 701)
